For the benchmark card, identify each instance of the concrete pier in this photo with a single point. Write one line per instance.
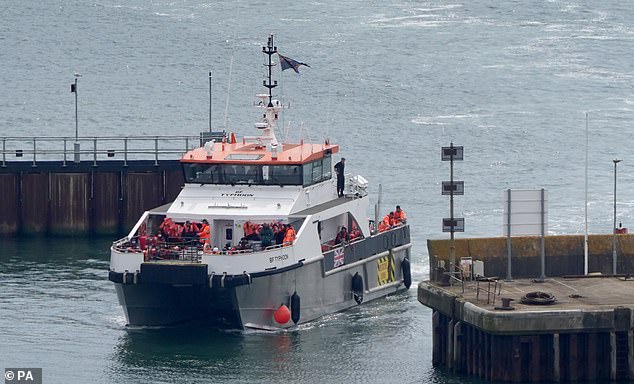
(562, 329)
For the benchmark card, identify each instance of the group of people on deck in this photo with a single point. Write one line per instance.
(171, 231)
(343, 236)
(200, 233)
(269, 233)
(393, 219)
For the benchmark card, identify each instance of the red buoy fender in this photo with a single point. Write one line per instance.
(282, 315)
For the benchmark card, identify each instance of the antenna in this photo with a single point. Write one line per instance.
(228, 90)
(270, 50)
(209, 101)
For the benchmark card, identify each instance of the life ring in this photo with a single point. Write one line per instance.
(357, 288)
(295, 307)
(538, 298)
(406, 268)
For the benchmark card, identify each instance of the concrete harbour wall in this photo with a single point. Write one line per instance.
(82, 199)
(564, 254)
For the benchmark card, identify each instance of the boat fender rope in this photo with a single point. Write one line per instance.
(406, 268)
(248, 277)
(295, 307)
(211, 279)
(357, 288)
(222, 279)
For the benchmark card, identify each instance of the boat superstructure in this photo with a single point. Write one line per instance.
(234, 275)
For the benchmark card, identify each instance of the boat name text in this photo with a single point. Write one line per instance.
(273, 259)
(237, 194)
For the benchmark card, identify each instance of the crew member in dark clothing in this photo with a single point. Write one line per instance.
(279, 235)
(339, 170)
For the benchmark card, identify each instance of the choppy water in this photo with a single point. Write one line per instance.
(391, 82)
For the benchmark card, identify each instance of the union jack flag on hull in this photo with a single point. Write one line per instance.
(339, 260)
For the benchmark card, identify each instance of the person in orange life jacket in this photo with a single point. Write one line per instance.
(246, 227)
(399, 215)
(387, 222)
(190, 231)
(392, 220)
(204, 235)
(251, 231)
(339, 171)
(354, 232)
(175, 232)
(164, 228)
(289, 236)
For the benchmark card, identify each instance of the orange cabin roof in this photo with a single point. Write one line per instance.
(252, 153)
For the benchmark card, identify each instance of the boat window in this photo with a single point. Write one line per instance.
(327, 166)
(308, 173)
(202, 173)
(318, 170)
(286, 175)
(243, 174)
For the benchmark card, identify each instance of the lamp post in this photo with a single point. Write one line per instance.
(73, 89)
(615, 161)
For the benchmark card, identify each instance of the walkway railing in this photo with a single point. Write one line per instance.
(95, 149)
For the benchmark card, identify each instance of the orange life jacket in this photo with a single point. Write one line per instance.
(399, 216)
(204, 234)
(289, 236)
(248, 229)
(384, 225)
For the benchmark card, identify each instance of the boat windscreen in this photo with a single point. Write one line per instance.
(243, 174)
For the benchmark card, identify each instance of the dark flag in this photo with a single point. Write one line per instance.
(287, 62)
(73, 88)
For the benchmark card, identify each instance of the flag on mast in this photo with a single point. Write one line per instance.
(287, 62)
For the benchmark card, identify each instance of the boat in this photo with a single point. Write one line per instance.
(225, 274)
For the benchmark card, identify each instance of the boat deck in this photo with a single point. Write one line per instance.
(322, 207)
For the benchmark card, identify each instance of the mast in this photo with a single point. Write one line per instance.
(272, 107)
(270, 50)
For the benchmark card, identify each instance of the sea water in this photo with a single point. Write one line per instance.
(391, 82)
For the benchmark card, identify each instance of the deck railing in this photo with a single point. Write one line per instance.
(69, 150)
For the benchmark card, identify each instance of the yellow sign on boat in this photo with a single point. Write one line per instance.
(385, 269)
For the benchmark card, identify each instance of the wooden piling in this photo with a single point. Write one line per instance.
(582, 337)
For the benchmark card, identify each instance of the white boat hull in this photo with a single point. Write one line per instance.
(189, 294)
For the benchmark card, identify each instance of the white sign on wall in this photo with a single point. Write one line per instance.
(526, 213)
